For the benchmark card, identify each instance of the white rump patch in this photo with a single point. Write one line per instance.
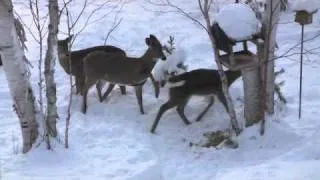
(175, 84)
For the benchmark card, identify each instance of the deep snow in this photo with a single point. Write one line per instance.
(112, 141)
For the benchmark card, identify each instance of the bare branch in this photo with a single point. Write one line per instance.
(114, 26)
(80, 14)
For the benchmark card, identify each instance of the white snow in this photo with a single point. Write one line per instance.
(164, 68)
(112, 141)
(238, 21)
(306, 5)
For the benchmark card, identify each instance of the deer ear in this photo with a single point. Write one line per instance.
(152, 36)
(148, 41)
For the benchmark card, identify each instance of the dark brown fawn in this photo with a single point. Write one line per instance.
(200, 82)
(77, 62)
(117, 68)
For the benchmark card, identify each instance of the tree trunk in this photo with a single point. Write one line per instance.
(204, 7)
(51, 56)
(252, 100)
(269, 27)
(270, 24)
(12, 56)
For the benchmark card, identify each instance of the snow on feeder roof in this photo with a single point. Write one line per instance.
(238, 21)
(306, 5)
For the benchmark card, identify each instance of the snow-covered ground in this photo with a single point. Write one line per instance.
(112, 141)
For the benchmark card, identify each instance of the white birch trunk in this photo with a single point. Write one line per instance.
(51, 56)
(17, 75)
(270, 24)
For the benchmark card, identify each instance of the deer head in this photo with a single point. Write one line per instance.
(155, 47)
(63, 45)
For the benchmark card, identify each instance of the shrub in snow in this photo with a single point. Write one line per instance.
(238, 21)
(172, 66)
(306, 5)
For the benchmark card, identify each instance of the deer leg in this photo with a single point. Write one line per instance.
(81, 84)
(84, 103)
(180, 110)
(78, 85)
(85, 90)
(211, 101)
(123, 90)
(139, 97)
(223, 100)
(99, 88)
(155, 86)
(108, 91)
(162, 83)
(164, 107)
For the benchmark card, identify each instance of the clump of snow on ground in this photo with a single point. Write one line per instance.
(306, 5)
(238, 21)
(171, 66)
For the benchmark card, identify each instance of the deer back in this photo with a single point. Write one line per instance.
(200, 82)
(78, 55)
(120, 69)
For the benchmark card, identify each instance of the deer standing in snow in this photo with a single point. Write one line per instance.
(77, 63)
(117, 68)
(200, 82)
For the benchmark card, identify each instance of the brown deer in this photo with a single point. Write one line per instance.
(117, 68)
(77, 63)
(200, 82)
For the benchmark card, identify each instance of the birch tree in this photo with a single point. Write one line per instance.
(13, 59)
(269, 26)
(51, 56)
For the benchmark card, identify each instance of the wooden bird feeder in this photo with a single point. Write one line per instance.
(233, 60)
(248, 63)
(304, 17)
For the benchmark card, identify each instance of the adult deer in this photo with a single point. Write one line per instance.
(200, 82)
(77, 62)
(117, 68)
(77, 65)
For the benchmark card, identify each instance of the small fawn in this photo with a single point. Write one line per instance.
(200, 82)
(117, 68)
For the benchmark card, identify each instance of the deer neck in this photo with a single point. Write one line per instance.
(64, 58)
(62, 53)
(149, 59)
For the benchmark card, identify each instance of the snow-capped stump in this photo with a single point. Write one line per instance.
(236, 23)
(304, 10)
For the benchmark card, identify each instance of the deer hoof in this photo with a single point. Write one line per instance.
(84, 110)
(152, 131)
